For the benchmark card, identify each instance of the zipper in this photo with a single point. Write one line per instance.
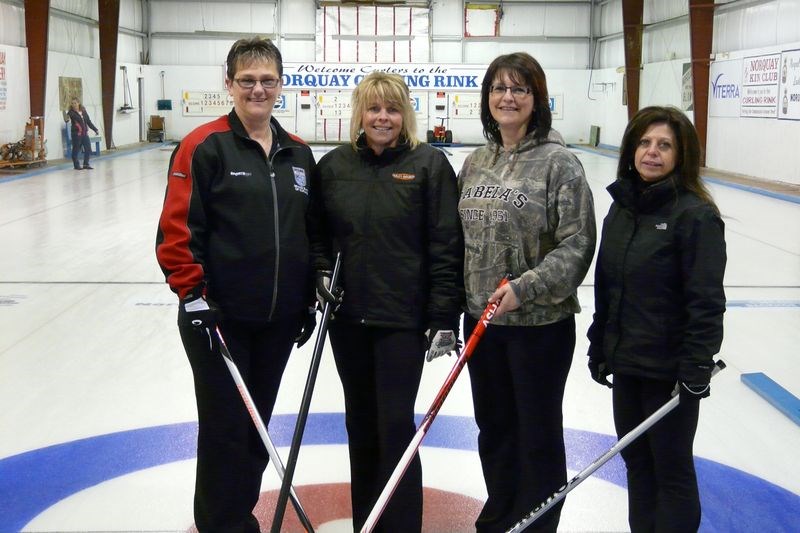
(635, 217)
(274, 186)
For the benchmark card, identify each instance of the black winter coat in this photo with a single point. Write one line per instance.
(659, 297)
(235, 221)
(394, 218)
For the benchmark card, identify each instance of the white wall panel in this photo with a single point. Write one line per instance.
(72, 37)
(447, 18)
(550, 54)
(757, 25)
(130, 15)
(12, 25)
(213, 16)
(661, 10)
(189, 51)
(129, 48)
(446, 52)
(608, 18)
(664, 43)
(610, 53)
(661, 83)
(558, 20)
(82, 8)
(292, 50)
(788, 21)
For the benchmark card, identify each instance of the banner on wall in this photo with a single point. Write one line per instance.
(724, 93)
(760, 76)
(789, 88)
(346, 76)
(687, 93)
(3, 86)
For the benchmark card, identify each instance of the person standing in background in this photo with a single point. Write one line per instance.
(388, 204)
(233, 245)
(80, 124)
(526, 210)
(659, 302)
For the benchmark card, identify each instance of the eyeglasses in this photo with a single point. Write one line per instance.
(500, 90)
(249, 83)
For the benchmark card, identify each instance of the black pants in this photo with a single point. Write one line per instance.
(518, 376)
(78, 142)
(662, 484)
(380, 369)
(231, 457)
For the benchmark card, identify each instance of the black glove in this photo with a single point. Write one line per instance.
(692, 392)
(96, 132)
(196, 310)
(307, 327)
(324, 292)
(694, 380)
(599, 372)
(440, 342)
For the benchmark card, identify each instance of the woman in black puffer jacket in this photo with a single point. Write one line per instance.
(659, 303)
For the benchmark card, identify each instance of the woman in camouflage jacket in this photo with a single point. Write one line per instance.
(526, 210)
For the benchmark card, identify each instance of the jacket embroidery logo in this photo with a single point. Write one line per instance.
(662, 226)
(179, 174)
(241, 173)
(403, 176)
(300, 183)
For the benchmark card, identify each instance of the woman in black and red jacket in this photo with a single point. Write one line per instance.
(233, 245)
(659, 303)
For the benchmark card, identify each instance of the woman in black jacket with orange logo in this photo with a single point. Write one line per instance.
(659, 302)
(388, 204)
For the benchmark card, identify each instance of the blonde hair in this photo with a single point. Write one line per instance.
(388, 89)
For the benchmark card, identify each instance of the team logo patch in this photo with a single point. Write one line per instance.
(403, 176)
(300, 181)
(299, 176)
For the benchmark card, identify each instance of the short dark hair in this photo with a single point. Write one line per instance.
(523, 69)
(687, 149)
(246, 51)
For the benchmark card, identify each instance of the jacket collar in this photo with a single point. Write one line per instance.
(279, 135)
(388, 154)
(634, 194)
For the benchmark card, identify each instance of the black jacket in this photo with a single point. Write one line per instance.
(394, 218)
(236, 221)
(80, 123)
(659, 297)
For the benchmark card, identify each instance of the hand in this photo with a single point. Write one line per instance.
(307, 327)
(197, 311)
(599, 372)
(507, 298)
(324, 293)
(440, 342)
(692, 392)
(694, 378)
(96, 132)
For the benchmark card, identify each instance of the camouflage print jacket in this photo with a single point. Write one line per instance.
(529, 213)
